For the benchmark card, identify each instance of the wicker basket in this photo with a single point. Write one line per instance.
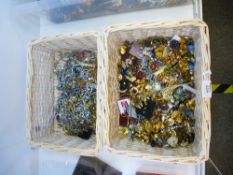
(120, 145)
(42, 126)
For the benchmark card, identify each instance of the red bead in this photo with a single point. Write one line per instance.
(125, 56)
(123, 120)
(139, 75)
(85, 53)
(153, 66)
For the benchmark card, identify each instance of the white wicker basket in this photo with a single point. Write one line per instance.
(42, 125)
(117, 144)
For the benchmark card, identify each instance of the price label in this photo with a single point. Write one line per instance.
(206, 89)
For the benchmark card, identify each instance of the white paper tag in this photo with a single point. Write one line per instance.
(206, 89)
(176, 37)
(124, 106)
(126, 109)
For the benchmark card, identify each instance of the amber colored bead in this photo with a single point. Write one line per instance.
(183, 51)
(119, 77)
(182, 41)
(172, 132)
(179, 119)
(191, 104)
(156, 113)
(183, 65)
(141, 42)
(123, 49)
(158, 126)
(147, 126)
(119, 64)
(170, 121)
(175, 114)
(158, 52)
(167, 60)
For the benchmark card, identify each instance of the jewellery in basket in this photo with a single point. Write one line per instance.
(156, 78)
(76, 85)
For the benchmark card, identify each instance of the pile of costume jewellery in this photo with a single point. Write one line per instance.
(75, 108)
(156, 89)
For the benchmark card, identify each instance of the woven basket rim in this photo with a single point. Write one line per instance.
(152, 23)
(62, 36)
(29, 84)
(204, 154)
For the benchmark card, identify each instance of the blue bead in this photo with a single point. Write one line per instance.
(188, 113)
(174, 44)
(139, 116)
(159, 142)
(159, 62)
(152, 53)
(175, 126)
(191, 47)
(76, 90)
(191, 66)
(124, 70)
(76, 70)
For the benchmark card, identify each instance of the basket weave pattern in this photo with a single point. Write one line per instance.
(118, 144)
(41, 93)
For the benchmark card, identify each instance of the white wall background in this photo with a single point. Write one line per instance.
(16, 157)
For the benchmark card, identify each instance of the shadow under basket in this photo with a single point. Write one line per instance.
(43, 130)
(121, 145)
